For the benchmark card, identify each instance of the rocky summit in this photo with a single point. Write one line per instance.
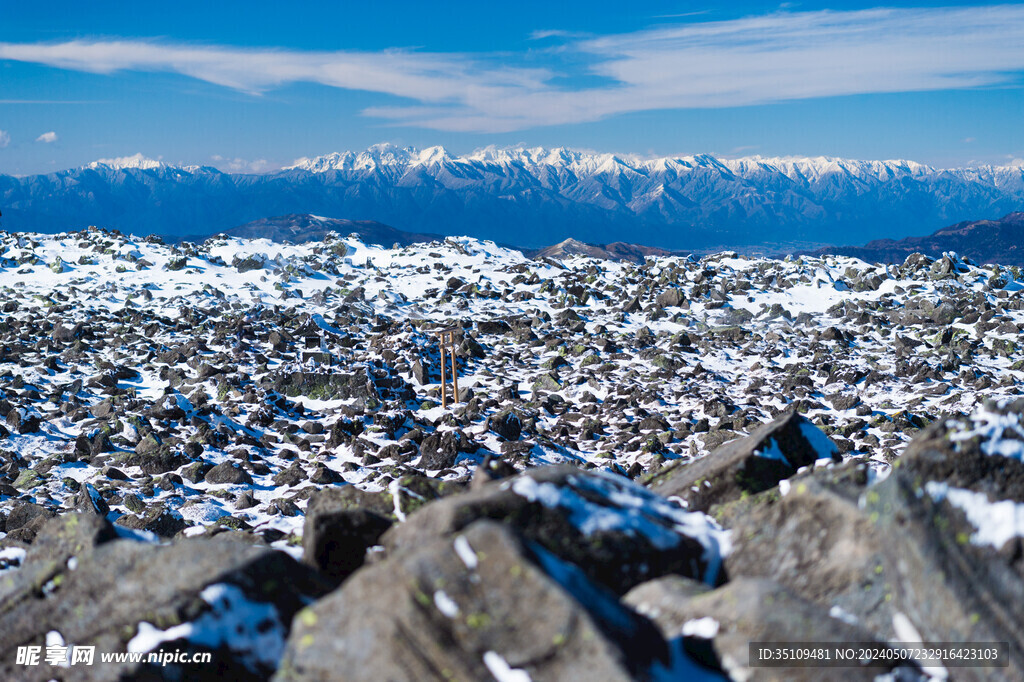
(238, 448)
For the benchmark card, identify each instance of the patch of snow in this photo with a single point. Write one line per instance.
(252, 630)
(445, 604)
(995, 522)
(906, 633)
(394, 488)
(992, 428)
(839, 613)
(703, 628)
(465, 552)
(502, 671)
(11, 558)
(54, 638)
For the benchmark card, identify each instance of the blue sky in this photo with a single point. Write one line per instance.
(254, 85)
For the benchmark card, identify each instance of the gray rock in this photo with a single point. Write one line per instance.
(748, 465)
(28, 515)
(440, 449)
(66, 536)
(349, 497)
(669, 298)
(841, 401)
(614, 531)
(456, 608)
(155, 519)
(816, 541)
(113, 589)
(103, 409)
(744, 611)
(89, 501)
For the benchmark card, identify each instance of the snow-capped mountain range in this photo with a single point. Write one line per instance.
(531, 196)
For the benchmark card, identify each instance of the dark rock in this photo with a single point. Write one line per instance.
(159, 461)
(156, 519)
(506, 424)
(335, 542)
(841, 401)
(192, 449)
(440, 449)
(256, 590)
(293, 475)
(349, 497)
(419, 373)
(103, 409)
(63, 334)
(640, 536)
(28, 515)
(632, 305)
(748, 465)
(323, 475)
(228, 473)
(472, 348)
(89, 502)
(491, 469)
(493, 327)
(245, 500)
(19, 421)
(196, 471)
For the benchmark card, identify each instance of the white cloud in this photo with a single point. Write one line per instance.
(242, 165)
(5, 138)
(47, 137)
(700, 64)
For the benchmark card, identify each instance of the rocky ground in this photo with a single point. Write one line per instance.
(238, 447)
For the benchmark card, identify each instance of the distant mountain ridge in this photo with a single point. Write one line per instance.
(531, 197)
(614, 251)
(983, 241)
(300, 228)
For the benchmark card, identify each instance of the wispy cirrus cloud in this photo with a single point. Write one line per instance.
(700, 64)
(47, 137)
(5, 139)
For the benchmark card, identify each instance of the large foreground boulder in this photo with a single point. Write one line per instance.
(475, 606)
(615, 531)
(931, 553)
(719, 625)
(231, 599)
(816, 541)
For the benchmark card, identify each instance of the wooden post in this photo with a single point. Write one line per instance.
(444, 379)
(455, 374)
(446, 342)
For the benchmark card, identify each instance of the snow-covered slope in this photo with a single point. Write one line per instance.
(616, 364)
(254, 389)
